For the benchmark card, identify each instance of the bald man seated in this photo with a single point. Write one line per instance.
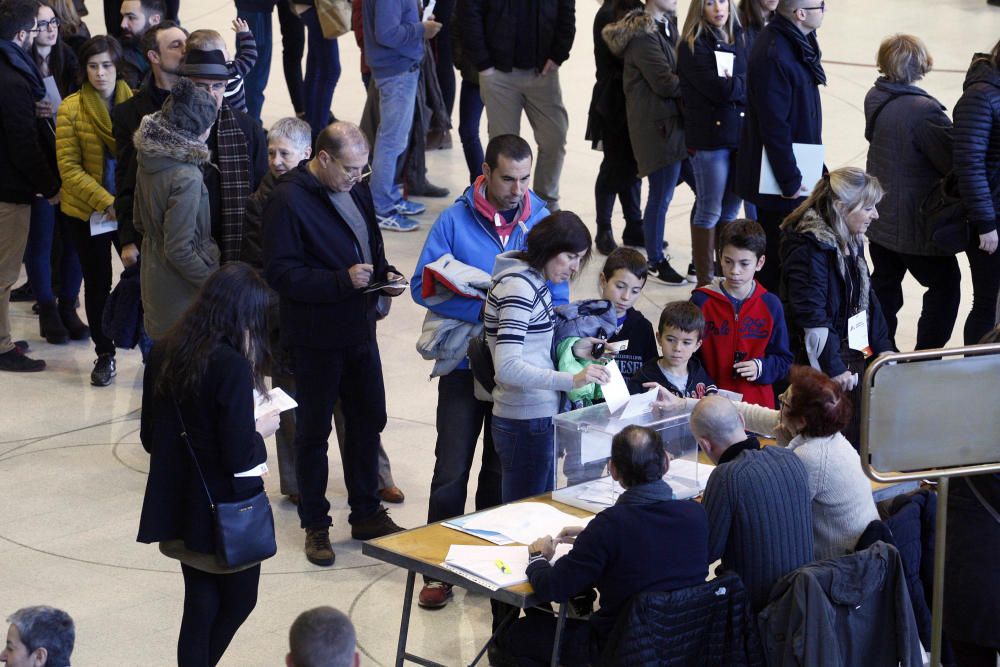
(757, 500)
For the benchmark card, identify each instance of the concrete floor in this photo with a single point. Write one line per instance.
(73, 472)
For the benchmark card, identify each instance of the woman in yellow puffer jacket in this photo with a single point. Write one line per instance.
(85, 152)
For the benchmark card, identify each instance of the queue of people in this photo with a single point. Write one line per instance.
(262, 254)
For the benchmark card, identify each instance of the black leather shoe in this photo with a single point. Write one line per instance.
(427, 189)
(22, 293)
(376, 525)
(605, 242)
(104, 370)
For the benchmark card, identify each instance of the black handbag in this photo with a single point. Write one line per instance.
(244, 530)
(944, 215)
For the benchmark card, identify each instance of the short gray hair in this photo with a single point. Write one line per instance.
(322, 637)
(715, 418)
(48, 628)
(293, 129)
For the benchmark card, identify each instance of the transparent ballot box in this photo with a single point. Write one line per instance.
(583, 450)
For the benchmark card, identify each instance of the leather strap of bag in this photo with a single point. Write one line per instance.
(197, 466)
(979, 497)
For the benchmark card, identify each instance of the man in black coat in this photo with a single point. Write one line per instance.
(27, 162)
(517, 47)
(322, 250)
(784, 73)
(163, 44)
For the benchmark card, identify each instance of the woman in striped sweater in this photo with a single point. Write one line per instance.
(518, 323)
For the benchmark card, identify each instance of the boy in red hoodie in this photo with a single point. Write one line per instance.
(746, 340)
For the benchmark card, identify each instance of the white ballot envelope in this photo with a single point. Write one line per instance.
(429, 10)
(101, 223)
(724, 63)
(615, 391)
(809, 160)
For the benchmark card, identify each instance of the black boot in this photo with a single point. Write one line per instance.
(605, 241)
(633, 234)
(74, 325)
(104, 370)
(50, 325)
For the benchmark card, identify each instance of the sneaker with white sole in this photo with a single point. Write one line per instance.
(665, 273)
(397, 223)
(407, 207)
(692, 274)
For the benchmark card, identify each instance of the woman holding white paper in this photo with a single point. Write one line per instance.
(85, 153)
(834, 318)
(711, 62)
(200, 380)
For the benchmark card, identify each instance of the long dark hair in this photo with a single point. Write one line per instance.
(562, 231)
(750, 15)
(230, 308)
(57, 59)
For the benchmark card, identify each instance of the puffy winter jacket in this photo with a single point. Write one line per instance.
(977, 143)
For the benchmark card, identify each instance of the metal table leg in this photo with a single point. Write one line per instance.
(404, 623)
(557, 640)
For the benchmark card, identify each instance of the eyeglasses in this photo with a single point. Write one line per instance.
(362, 172)
(52, 23)
(821, 6)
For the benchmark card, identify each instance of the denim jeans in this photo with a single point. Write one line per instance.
(749, 210)
(526, 457)
(939, 275)
(293, 47)
(716, 201)
(985, 270)
(460, 417)
(397, 95)
(470, 114)
(661, 190)
(46, 224)
(322, 73)
(352, 374)
(256, 79)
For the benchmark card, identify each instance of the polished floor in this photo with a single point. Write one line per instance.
(72, 471)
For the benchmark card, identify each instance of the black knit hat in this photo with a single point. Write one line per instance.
(189, 108)
(205, 65)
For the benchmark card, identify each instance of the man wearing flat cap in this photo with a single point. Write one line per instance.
(239, 150)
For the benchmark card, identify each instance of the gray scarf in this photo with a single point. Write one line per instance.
(646, 494)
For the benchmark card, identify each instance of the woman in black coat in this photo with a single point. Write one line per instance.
(200, 379)
(714, 108)
(754, 15)
(976, 154)
(825, 284)
(909, 152)
(607, 130)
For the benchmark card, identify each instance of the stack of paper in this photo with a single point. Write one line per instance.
(500, 566)
(524, 522)
(687, 478)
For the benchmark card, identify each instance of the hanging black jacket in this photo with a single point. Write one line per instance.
(977, 143)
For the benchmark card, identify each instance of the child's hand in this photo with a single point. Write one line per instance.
(748, 370)
(239, 25)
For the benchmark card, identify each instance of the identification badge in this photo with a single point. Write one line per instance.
(857, 333)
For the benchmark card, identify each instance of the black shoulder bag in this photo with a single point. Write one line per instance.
(244, 530)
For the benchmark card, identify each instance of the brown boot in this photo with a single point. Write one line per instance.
(720, 227)
(703, 253)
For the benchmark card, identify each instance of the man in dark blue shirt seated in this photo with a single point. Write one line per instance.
(645, 542)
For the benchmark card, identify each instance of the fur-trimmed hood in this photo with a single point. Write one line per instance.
(159, 145)
(812, 225)
(617, 35)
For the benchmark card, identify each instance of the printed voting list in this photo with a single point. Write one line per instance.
(524, 522)
(494, 567)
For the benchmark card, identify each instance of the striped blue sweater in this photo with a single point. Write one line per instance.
(518, 322)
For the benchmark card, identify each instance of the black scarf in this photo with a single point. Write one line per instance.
(22, 61)
(807, 46)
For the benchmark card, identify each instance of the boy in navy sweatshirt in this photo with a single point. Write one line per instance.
(746, 340)
(679, 370)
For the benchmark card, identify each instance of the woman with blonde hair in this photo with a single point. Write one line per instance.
(825, 285)
(85, 152)
(714, 107)
(909, 150)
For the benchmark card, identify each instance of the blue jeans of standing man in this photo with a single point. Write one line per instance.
(322, 73)
(716, 201)
(470, 114)
(46, 224)
(661, 190)
(397, 95)
(526, 457)
(256, 79)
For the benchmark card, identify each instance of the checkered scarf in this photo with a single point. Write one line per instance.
(233, 159)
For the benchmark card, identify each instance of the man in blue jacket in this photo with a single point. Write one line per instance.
(322, 250)
(784, 73)
(394, 47)
(492, 216)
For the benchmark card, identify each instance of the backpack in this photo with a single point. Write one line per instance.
(589, 318)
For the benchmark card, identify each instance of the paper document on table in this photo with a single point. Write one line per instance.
(458, 523)
(724, 62)
(603, 491)
(809, 160)
(276, 399)
(687, 478)
(562, 548)
(524, 522)
(639, 404)
(615, 391)
(502, 566)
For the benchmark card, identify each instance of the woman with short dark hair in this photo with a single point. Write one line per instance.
(910, 150)
(518, 322)
(86, 152)
(200, 380)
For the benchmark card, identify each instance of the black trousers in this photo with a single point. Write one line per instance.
(293, 47)
(215, 606)
(938, 275)
(95, 262)
(353, 374)
(770, 215)
(973, 655)
(985, 271)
